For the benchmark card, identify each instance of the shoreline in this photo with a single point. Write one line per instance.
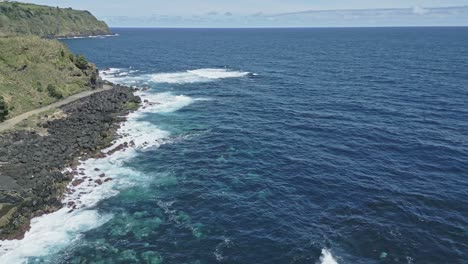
(86, 36)
(34, 169)
(10, 123)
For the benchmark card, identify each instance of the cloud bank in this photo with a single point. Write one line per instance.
(416, 16)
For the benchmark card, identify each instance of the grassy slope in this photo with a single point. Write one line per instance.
(28, 19)
(29, 64)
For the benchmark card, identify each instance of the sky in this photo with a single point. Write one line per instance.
(253, 13)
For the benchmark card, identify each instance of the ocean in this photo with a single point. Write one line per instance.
(275, 146)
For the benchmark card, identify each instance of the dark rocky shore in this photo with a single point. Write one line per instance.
(31, 165)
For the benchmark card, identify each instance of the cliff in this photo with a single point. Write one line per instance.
(45, 21)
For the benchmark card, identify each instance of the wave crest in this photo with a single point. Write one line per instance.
(99, 179)
(327, 257)
(127, 76)
(194, 76)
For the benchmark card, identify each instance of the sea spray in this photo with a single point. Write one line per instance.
(327, 257)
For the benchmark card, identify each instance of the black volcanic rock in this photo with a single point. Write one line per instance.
(31, 182)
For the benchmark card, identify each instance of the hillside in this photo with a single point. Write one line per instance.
(44, 21)
(35, 72)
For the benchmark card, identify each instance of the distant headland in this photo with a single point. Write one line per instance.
(49, 22)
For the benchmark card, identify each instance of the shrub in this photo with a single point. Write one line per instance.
(81, 62)
(39, 86)
(3, 109)
(53, 92)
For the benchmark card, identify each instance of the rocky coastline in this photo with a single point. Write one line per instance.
(32, 177)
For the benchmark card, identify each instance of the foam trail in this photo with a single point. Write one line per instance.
(90, 37)
(128, 77)
(194, 76)
(218, 73)
(98, 179)
(327, 257)
(123, 76)
(164, 102)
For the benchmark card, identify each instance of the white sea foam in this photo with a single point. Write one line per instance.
(164, 102)
(58, 229)
(327, 257)
(128, 76)
(85, 37)
(98, 179)
(194, 76)
(110, 73)
(123, 76)
(218, 73)
(145, 134)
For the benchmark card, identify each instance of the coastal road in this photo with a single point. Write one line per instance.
(12, 122)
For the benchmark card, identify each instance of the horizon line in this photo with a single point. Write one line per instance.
(286, 27)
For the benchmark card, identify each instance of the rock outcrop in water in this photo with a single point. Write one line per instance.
(31, 165)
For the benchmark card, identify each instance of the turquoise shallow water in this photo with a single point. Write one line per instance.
(283, 146)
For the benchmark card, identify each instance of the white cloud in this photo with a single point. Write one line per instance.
(419, 10)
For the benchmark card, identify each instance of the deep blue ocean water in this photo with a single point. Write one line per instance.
(287, 146)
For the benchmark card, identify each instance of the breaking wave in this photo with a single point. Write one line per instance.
(127, 76)
(98, 179)
(95, 180)
(327, 257)
(194, 76)
(90, 37)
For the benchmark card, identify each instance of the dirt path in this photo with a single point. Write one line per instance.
(12, 122)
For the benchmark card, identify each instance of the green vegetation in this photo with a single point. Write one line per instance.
(3, 109)
(132, 106)
(45, 21)
(35, 72)
(81, 62)
(53, 92)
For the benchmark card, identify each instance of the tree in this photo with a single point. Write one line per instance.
(3, 109)
(81, 62)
